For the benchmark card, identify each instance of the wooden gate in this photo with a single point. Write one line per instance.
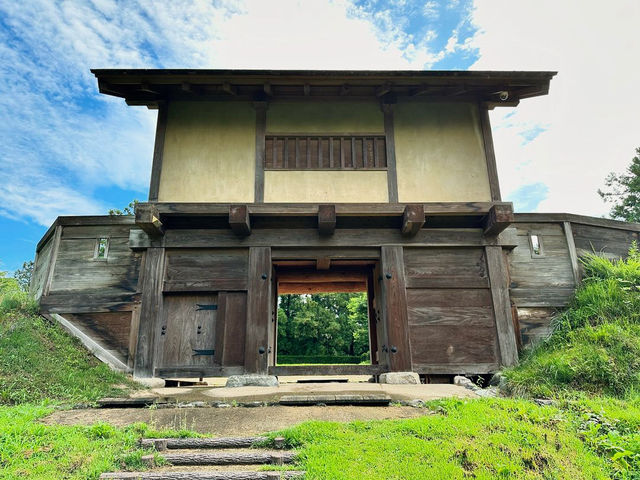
(187, 333)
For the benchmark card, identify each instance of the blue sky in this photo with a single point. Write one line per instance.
(67, 150)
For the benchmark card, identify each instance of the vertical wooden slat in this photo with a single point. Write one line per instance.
(498, 278)
(320, 152)
(133, 334)
(490, 155)
(341, 152)
(261, 127)
(151, 277)
(274, 153)
(258, 310)
(376, 159)
(234, 311)
(353, 153)
(158, 151)
(573, 255)
(392, 176)
(308, 153)
(297, 165)
(365, 153)
(396, 314)
(285, 160)
(330, 152)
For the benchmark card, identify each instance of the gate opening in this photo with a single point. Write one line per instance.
(325, 315)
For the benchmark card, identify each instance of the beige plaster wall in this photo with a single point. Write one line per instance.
(209, 153)
(440, 153)
(325, 186)
(325, 117)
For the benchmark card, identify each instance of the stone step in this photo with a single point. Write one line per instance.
(161, 444)
(258, 457)
(368, 399)
(202, 475)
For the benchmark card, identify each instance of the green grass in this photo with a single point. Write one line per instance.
(595, 345)
(483, 439)
(29, 449)
(39, 361)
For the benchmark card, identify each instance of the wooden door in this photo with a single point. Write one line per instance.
(187, 333)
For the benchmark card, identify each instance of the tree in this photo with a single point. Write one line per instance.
(23, 275)
(624, 192)
(128, 210)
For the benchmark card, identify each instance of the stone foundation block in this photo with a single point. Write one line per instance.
(252, 381)
(400, 378)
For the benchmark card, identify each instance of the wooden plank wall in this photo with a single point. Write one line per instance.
(611, 242)
(110, 330)
(540, 285)
(451, 321)
(40, 269)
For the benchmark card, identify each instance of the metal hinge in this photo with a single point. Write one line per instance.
(202, 352)
(206, 307)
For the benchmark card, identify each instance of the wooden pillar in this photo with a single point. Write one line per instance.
(573, 254)
(261, 128)
(158, 151)
(389, 134)
(150, 285)
(395, 314)
(490, 154)
(256, 351)
(505, 330)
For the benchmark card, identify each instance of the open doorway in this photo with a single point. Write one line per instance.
(325, 316)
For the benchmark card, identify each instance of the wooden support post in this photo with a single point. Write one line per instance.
(498, 277)
(239, 220)
(498, 219)
(396, 313)
(48, 279)
(392, 176)
(573, 254)
(412, 219)
(490, 154)
(148, 219)
(158, 151)
(150, 284)
(258, 311)
(326, 219)
(261, 128)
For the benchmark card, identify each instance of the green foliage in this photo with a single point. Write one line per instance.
(30, 449)
(483, 439)
(624, 192)
(23, 275)
(128, 210)
(39, 360)
(595, 344)
(330, 324)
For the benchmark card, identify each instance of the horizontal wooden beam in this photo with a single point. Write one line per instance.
(498, 219)
(148, 219)
(315, 276)
(239, 220)
(214, 285)
(570, 217)
(412, 219)
(326, 219)
(321, 287)
(292, 370)
(194, 371)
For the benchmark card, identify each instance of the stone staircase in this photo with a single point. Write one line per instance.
(228, 458)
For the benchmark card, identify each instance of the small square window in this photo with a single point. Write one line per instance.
(535, 242)
(102, 248)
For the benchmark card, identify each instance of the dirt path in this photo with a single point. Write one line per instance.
(232, 421)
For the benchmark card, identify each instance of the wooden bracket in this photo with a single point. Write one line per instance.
(323, 263)
(326, 219)
(412, 219)
(239, 220)
(498, 219)
(148, 219)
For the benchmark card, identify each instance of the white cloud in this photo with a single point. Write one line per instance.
(592, 110)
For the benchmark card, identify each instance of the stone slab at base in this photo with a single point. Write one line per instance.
(400, 378)
(150, 382)
(252, 381)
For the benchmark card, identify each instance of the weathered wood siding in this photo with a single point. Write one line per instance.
(611, 242)
(540, 285)
(110, 330)
(451, 320)
(41, 269)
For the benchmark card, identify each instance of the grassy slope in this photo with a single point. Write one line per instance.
(39, 361)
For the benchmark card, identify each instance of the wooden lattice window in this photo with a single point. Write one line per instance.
(325, 152)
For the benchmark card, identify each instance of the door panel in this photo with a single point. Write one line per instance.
(187, 333)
